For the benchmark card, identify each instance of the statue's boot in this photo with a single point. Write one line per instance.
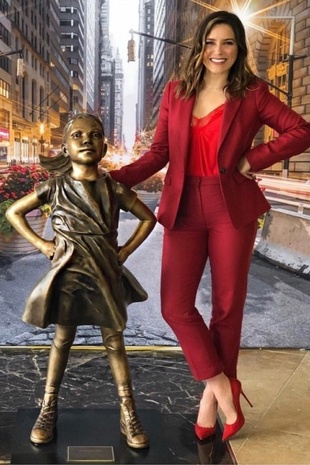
(130, 424)
(43, 429)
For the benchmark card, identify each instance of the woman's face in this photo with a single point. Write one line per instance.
(221, 50)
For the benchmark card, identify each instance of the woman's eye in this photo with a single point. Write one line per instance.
(227, 42)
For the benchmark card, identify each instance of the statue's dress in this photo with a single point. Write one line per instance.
(85, 285)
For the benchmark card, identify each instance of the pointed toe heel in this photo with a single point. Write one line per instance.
(231, 430)
(203, 432)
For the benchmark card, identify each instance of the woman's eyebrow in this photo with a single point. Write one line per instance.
(222, 40)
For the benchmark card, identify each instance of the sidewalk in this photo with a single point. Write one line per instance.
(276, 312)
(277, 428)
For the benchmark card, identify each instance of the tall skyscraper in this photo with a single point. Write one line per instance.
(146, 65)
(118, 100)
(72, 35)
(111, 83)
(92, 56)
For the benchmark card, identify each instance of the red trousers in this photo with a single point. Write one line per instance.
(204, 231)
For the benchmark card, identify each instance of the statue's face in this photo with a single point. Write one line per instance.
(85, 142)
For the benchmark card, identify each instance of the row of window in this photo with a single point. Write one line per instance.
(5, 35)
(69, 22)
(5, 64)
(36, 5)
(4, 6)
(66, 9)
(5, 89)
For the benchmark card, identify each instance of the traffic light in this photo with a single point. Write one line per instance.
(20, 67)
(131, 50)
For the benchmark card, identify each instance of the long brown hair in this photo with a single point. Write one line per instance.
(240, 75)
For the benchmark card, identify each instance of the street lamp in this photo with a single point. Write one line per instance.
(41, 140)
(131, 43)
(20, 69)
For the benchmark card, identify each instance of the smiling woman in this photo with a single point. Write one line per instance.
(210, 205)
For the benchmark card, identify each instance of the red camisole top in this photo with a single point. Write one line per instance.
(204, 144)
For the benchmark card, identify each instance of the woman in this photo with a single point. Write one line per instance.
(87, 283)
(210, 202)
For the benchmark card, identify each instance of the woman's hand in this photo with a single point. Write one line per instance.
(244, 168)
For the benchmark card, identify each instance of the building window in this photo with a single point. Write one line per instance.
(278, 70)
(69, 35)
(68, 22)
(5, 35)
(65, 9)
(5, 64)
(4, 6)
(4, 89)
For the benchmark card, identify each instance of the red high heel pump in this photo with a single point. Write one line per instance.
(204, 432)
(236, 389)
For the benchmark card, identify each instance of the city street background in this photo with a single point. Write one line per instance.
(276, 312)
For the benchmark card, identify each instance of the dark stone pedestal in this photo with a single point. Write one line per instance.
(172, 440)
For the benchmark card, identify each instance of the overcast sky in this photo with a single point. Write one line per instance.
(124, 15)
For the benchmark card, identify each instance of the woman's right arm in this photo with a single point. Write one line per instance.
(16, 215)
(156, 158)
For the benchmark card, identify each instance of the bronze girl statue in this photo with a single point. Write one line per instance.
(87, 283)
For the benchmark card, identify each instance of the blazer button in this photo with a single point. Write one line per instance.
(223, 170)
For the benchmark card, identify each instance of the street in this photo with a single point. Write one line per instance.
(276, 312)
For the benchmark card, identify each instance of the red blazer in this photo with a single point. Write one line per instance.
(242, 119)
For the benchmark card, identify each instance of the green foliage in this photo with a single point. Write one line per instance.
(46, 209)
(5, 227)
(261, 221)
(19, 182)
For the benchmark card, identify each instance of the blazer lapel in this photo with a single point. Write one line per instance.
(230, 110)
(184, 130)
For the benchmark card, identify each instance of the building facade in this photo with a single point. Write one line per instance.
(44, 75)
(118, 90)
(91, 101)
(146, 66)
(72, 35)
(111, 84)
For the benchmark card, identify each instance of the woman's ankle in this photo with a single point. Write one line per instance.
(207, 409)
(221, 389)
